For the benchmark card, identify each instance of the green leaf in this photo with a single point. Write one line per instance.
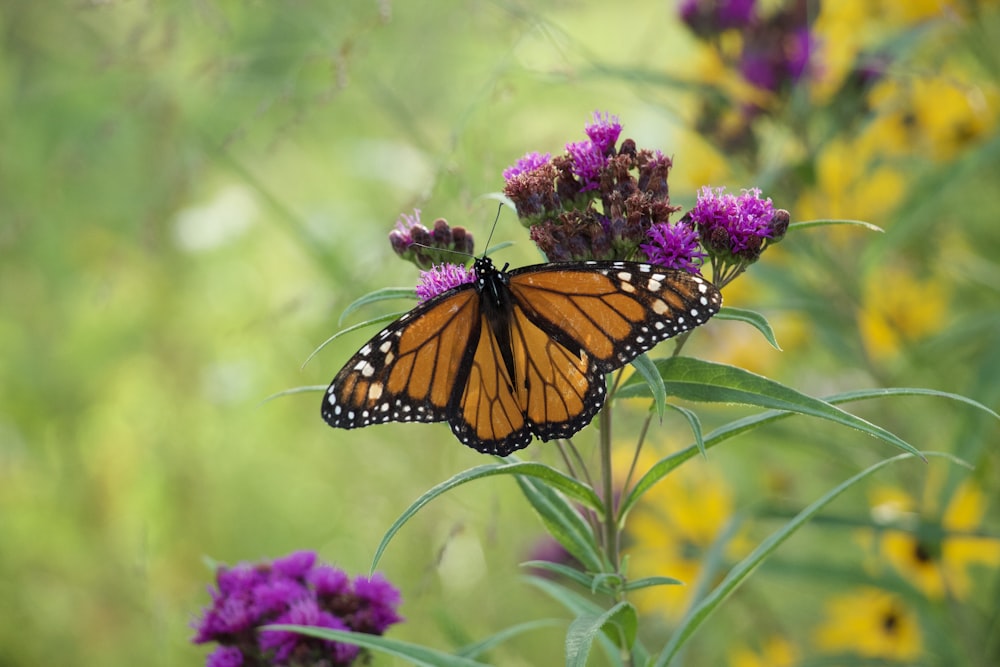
(697, 616)
(751, 317)
(579, 605)
(647, 369)
(695, 425)
(367, 323)
(563, 522)
(575, 575)
(697, 380)
(827, 223)
(413, 653)
(478, 648)
(619, 620)
(663, 467)
(551, 476)
(647, 582)
(384, 294)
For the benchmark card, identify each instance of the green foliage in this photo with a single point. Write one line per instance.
(192, 192)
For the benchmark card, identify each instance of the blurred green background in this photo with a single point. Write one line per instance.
(191, 192)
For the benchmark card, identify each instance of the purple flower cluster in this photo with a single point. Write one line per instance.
(602, 201)
(598, 200)
(442, 278)
(425, 247)
(736, 228)
(293, 590)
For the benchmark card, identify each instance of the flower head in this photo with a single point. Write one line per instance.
(439, 279)
(292, 590)
(871, 623)
(675, 246)
(528, 163)
(425, 247)
(734, 227)
(604, 132)
(598, 200)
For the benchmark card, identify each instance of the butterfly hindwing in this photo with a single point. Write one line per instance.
(408, 370)
(555, 391)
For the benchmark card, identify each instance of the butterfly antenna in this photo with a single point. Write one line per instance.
(493, 229)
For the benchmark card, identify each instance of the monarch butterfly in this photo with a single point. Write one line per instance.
(517, 354)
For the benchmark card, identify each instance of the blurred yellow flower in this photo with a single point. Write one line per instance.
(670, 531)
(871, 623)
(775, 652)
(898, 308)
(851, 183)
(935, 554)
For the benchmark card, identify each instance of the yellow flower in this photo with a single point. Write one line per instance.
(899, 308)
(935, 554)
(852, 184)
(775, 652)
(871, 623)
(669, 532)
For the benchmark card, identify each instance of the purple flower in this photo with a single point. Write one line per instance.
(800, 50)
(285, 645)
(295, 565)
(439, 279)
(588, 159)
(412, 241)
(733, 226)
(275, 596)
(379, 601)
(604, 132)
(675, 246)
(326, 580)
(225, 656)
(293, 590)
(526, 164)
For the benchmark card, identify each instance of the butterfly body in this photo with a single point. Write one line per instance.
(516, 355)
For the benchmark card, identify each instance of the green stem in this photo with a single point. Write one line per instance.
(611, 542)
(610, 524)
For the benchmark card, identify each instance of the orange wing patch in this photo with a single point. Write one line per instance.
(407, 371)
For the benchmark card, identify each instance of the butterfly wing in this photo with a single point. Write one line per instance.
(612, 311)
(409, 370)
(554, 393)
(562, 327)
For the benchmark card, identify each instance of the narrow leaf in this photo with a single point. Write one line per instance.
(827, 223)
(647, 369)
(579, 605)
(693, 620)
(695, 425)
(563, 522)
(361, 325)
(647, 582)
(575, 575)
(697, 380)
(753, 318)
(384, 294)
(491, 642)
(663, 467)
(619, 619)
(413, 653)
(557, 479)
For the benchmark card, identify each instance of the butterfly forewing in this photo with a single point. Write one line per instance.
(616, 310)
(407, 371)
